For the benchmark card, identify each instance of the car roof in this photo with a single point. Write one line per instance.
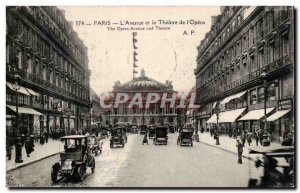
(74, 137)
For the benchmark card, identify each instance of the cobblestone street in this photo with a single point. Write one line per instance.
(139, 165)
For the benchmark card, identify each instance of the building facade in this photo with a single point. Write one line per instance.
(154, 114)
(44, 51)
(247, 58)
(97, 111)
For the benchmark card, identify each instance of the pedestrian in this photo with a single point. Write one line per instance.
(216, 137)
(256, 136)
(36, 137)
(243, 138)
(239, 146)
(8, 149)
(249, 138)
(28, 147)
(234, 132)
(261, 133)
(145, 140)
(46, 136)
(32, 140)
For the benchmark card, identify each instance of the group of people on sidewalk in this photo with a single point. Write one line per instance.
(247, 136)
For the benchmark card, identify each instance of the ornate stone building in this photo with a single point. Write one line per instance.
(138, 116)
(53, 88)
(247, 58)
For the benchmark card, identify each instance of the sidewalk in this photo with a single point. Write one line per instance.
(227, 143)
(40, 152)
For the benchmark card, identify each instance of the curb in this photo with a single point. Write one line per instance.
(29, 163)
(220, 147)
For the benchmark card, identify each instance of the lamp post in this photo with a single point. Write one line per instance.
(217, 111)
(263, 77)
(18, 145)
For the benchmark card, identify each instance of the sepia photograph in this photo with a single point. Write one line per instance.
(150, 97)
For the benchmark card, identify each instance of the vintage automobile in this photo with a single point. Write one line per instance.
(134, 129)
(103, 132)
(95, 144)
(172, 129)
(161, 135)
(125, 134)
(277, 164)
(75, 160)
(185, 137)
(151, 132)
(117, 137)
(144, 129)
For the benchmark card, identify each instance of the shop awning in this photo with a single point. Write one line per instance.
(213, 118)
(255, 114)
(21, 89)
(31, 92)
(231, 116)
(277, 115)
(24, 110)
(227, 99)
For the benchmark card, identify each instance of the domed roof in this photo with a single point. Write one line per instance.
(143, 83)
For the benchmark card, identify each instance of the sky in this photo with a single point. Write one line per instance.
(168, 54)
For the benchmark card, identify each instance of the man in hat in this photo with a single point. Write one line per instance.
(239, 146)
(28, 147)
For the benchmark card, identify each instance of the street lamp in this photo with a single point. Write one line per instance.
(217, 111)
(263, 77)
(18, 145)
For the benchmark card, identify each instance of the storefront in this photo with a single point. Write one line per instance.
(281, 122)
(26, 120)
(253, 119)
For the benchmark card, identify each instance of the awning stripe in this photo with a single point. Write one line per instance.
(255, 114)
(24, 110)
(277, 115)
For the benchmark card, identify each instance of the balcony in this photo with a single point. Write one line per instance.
(274, 69)
(48, 87)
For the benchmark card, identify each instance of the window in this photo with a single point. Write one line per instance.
(272, 93)
(271, 53)
(285, 46)
(261, 58)
(271, 21)
(261, 95)
(253, 97)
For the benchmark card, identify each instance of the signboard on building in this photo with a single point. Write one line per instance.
(285, 104)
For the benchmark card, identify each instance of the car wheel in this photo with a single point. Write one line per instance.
(80, 173)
